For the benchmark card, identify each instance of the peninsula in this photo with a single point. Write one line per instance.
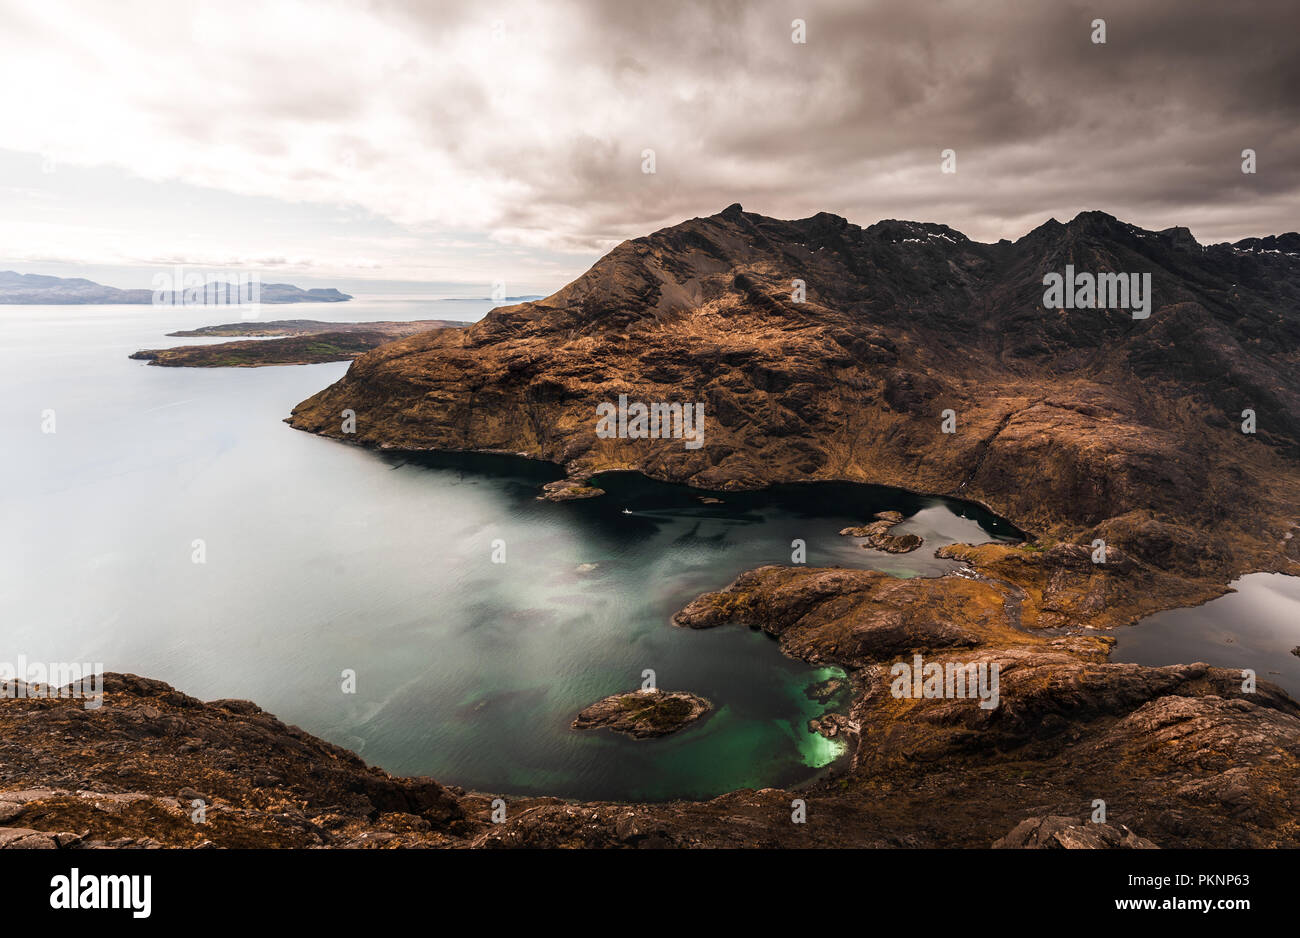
(287, 342)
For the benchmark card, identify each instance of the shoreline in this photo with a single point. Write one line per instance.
(767, 597)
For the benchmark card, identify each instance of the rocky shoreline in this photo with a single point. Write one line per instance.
(1182, 755)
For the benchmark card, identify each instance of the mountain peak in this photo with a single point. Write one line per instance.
(1095, 217)
(897, 230)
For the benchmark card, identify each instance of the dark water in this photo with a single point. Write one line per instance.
(581, 608)
(322, 557)
(1255, 627)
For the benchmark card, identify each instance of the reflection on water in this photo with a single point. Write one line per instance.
(1256, 627)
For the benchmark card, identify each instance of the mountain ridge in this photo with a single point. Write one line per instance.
(1122, 425)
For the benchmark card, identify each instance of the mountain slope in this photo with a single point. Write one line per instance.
(1070, 422)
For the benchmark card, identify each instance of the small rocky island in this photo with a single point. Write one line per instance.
(877, 534)
(568, 490)
(824, 691)
(644, 714)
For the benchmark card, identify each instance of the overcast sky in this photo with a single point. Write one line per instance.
(484, 140)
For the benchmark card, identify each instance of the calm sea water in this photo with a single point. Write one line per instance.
(323, 557)
(1256, 627)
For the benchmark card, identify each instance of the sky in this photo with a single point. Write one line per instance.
(502, 140)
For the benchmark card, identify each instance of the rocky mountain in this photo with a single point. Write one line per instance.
(1072, 422)
(37, 289)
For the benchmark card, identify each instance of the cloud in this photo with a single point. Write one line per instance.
(527, 122)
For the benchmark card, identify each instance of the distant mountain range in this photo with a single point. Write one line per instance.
(16, 288)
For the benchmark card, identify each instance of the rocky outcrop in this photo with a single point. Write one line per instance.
(876, 534)
(568, 490)
(1069, 588)
(140, 766)
(824, 691)
(643, 714)
(832, 725)
(1187, 750)
(1065, 833)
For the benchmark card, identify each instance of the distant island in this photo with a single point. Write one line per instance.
(299, 342)
(38, 289)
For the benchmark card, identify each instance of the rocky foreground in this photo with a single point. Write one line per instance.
(1181, 756)
(1185, 755)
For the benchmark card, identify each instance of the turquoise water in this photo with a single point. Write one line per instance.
(323, 558)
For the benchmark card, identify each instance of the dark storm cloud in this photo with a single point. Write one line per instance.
(1149, 126)
(526, 122)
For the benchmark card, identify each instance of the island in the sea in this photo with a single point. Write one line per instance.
(877, 534)
(643, 714)
(39, 290)
(287, 342)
